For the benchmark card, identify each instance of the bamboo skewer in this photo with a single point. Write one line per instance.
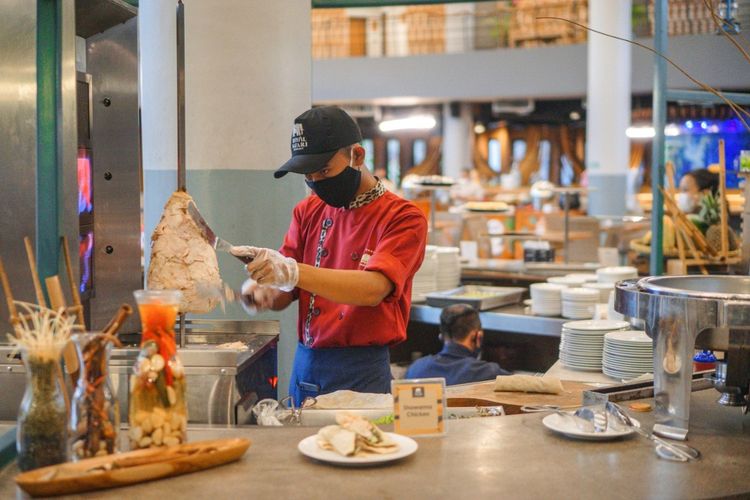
(12, 310)
(34, 273)
(689, 227)
(689, 230)
(72, 282)
(669, 167)
(55, 293)
(723, 201)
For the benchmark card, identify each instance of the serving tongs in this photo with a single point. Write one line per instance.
(670, 451)
(211, 237)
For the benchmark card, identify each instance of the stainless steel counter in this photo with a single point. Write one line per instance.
(496, 457)
(511, 318)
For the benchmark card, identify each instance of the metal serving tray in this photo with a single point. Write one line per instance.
(481, 298)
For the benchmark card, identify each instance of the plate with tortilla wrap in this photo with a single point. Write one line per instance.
(355, 441)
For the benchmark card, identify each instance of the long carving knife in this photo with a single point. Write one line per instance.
(211, 237)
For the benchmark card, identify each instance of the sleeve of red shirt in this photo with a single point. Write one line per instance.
(293, 240)
(400, 251)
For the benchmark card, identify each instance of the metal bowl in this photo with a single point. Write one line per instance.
(735, 288)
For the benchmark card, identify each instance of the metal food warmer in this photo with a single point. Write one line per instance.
(684, 313)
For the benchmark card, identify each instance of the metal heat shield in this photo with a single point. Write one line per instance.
(112, 61)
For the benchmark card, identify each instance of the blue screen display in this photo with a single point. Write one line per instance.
(696, 145)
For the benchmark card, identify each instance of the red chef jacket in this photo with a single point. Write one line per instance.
(387, 235)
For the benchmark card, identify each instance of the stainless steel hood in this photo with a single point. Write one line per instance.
(96, 16)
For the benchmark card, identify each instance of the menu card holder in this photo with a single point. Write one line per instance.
(419, 406)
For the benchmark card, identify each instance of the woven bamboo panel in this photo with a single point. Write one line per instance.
(528, 31)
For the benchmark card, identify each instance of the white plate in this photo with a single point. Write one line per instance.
(596, 325)
(573, 348)
(582, 363)
(587, 277)
(309, 447)
(630, 336)
(581, 348)
(583, 360)
(628, 355)
(627, 366)
(637, 346)
(567, 427)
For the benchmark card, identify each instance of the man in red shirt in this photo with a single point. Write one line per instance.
(349, 257)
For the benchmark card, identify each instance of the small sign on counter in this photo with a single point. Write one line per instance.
(419, 406)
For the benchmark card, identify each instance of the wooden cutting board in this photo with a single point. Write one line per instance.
(482, 394)
(128, 468)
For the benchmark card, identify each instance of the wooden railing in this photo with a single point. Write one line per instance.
(438, 29)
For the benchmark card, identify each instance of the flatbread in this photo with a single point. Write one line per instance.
(354, 436)
(342, 441)
(343, 399)
(528, 383)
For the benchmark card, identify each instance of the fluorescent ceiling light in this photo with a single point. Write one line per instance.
(647, 131)
(416, 122)
(640, 132)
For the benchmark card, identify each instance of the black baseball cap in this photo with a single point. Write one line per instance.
(317, 135)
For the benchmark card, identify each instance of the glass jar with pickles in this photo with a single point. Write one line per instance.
(95, 411)
(158, 409)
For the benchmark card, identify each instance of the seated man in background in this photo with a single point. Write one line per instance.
(457, 363)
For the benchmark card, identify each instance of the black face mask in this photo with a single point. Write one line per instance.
(337, 191)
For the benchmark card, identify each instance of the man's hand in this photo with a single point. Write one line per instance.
(269, 267)
(256, 298)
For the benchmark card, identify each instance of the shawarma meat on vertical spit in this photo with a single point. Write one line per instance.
(181, 259)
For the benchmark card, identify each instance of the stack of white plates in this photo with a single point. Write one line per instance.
(579, 303)
(586, 277)
(615, 274)
(582, 342)
(568, 281)
(448, 268)
(545, 299)
(603, 288)
(425, 279)
(627, 354)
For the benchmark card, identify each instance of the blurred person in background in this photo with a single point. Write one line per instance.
(468, 187)
(458, 362)
(694, 185)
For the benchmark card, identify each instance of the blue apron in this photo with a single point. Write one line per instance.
(320, 371)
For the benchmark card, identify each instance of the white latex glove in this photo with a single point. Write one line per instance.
(269, 267)
(256, 298)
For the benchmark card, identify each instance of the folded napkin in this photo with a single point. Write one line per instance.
(528, 383)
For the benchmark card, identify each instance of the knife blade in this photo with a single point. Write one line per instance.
(211, 237)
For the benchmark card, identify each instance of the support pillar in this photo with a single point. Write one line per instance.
(608, 106)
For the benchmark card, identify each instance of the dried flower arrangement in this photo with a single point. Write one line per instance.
(40, 335)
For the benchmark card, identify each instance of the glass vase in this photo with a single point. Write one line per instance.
(42, 425)
(95, 410)
(157, 409)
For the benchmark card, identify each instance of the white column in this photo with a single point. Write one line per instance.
(247, 75)
(158, 84)
(457, 132)
(608, 106)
